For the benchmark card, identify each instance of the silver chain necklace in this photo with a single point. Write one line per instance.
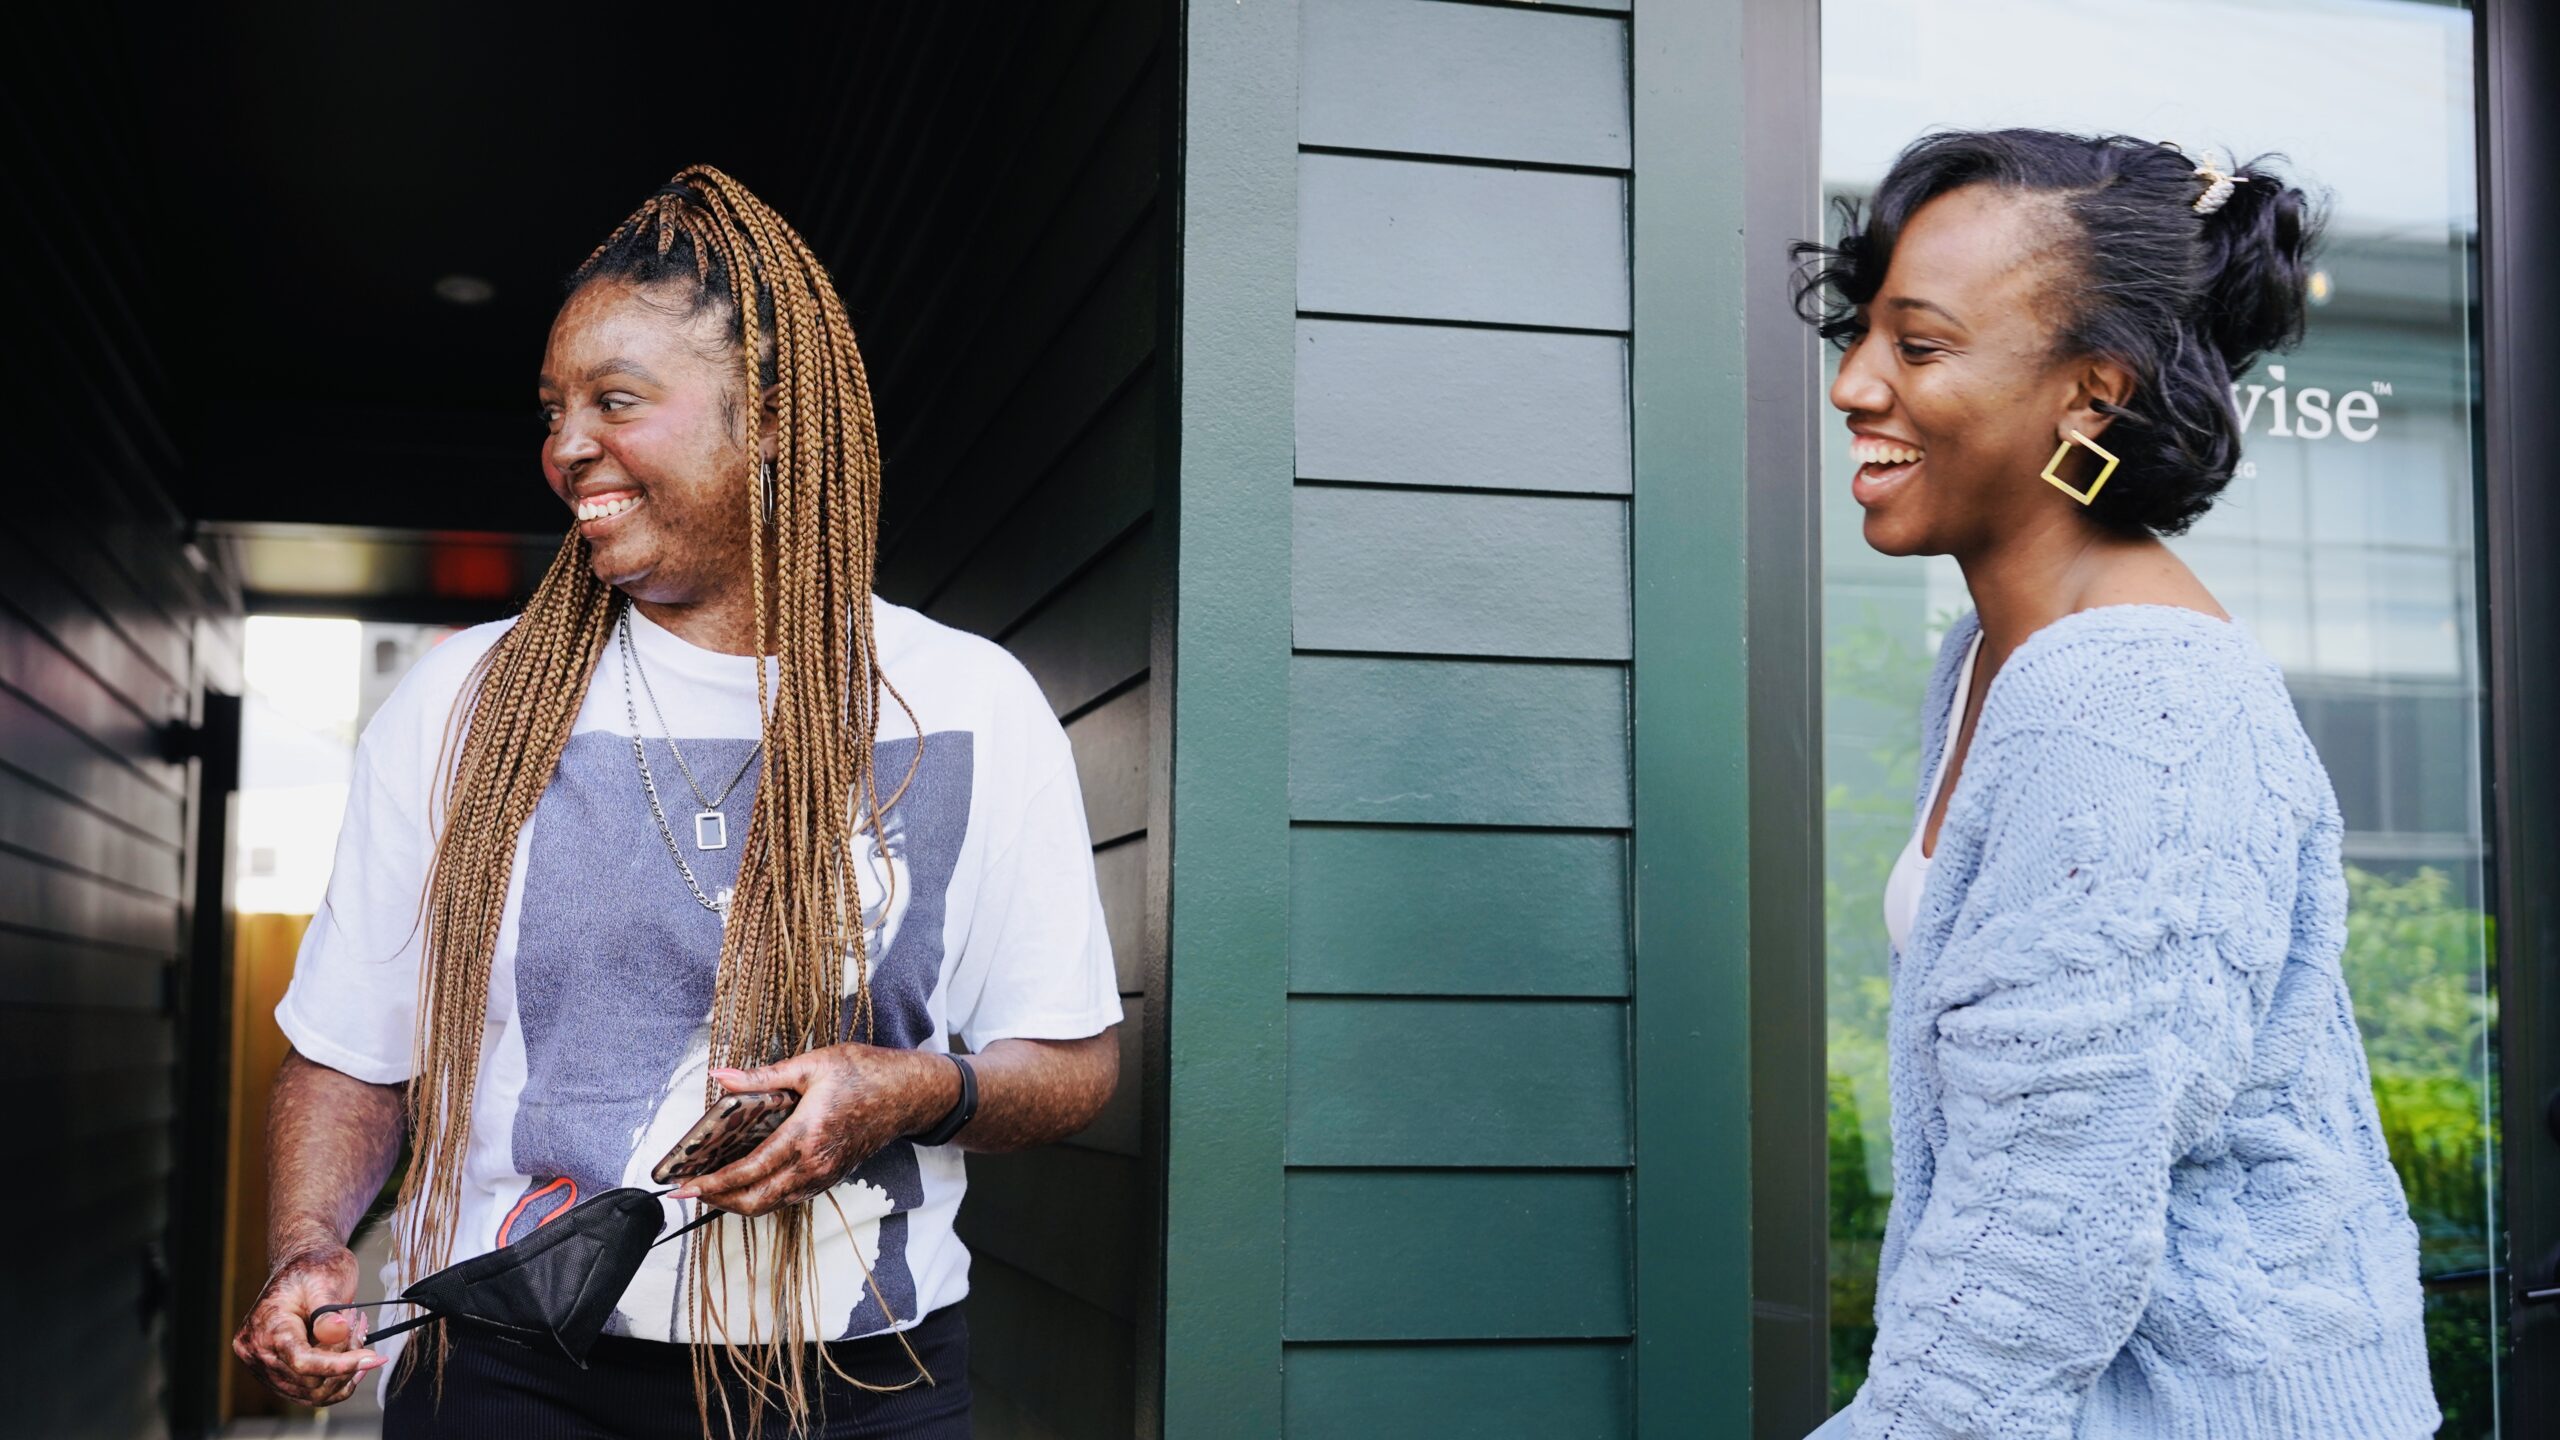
(710, 827)
(649, 783)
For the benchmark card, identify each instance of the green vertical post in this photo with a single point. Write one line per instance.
(1228, 823)
(1692, 749)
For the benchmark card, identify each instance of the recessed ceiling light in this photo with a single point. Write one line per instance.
(465, 290)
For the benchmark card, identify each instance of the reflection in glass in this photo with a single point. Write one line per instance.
(2345, 545)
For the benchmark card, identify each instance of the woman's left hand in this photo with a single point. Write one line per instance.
(854, 1099)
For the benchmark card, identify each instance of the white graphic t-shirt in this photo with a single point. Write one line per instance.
(593, 1062)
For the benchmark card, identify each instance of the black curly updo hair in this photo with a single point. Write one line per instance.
(2186, 303)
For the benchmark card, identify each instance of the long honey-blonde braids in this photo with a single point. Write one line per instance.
(795, 921)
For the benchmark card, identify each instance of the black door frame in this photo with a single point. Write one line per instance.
(2519, 54)
(1790, 1182)
(200, 1001)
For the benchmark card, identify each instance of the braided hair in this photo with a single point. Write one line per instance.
(795, 920)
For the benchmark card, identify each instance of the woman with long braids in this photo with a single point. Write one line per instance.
(707, 818)
(2139, 1185)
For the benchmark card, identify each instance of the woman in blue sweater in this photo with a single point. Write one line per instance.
(2139, 1184)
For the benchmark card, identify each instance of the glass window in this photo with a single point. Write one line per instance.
(2345, 545)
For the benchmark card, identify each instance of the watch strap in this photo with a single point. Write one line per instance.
(961, 1113)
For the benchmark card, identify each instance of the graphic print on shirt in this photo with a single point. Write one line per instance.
(615, 964)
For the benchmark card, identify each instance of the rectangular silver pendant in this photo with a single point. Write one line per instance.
(710, 830)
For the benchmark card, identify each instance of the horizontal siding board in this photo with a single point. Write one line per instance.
(35, 895)
(1120, 873)
(1102, 347)
(122, 1159)
(1457, 1255)
(1066, 1216)
(1053, 1354)
(1441, 79)
(114, 1220)
(30, 665)
(913, 218)
(1462, 406)
(72, 548)
(91, 1334)
(1457, 742)
(1454, 573)
(1104, 485)
(1103, 80)
(1461, 242)
(30, 585)
(71, 542)
(996, 385)
(1535, 1391)
(1092, 637)
(1111, 747)
(68, 975)
(1394, 911)
(1413, 1082)
(140, 531)
(36, 819)
(135, 1104)
(42, 747)
(102, 1379)
(51, 1046)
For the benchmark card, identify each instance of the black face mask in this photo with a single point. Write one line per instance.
(553, 1288)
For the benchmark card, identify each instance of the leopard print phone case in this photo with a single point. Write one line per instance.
(732, 1126)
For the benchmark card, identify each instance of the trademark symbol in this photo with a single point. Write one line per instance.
(2381, 387)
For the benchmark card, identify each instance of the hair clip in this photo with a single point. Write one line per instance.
(2218, 185)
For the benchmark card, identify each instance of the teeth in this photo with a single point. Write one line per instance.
(1878, 452)
(605, 507)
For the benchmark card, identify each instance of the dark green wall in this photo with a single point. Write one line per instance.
(1022, 445)
(1459, 1117)
(1461, 917)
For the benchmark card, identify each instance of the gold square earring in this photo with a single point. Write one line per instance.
(2058, 483)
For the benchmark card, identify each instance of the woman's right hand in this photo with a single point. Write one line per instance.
(274, 1342)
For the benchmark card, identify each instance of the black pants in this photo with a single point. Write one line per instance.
(495, 1389)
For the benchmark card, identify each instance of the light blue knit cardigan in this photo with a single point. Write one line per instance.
(2139, 1185)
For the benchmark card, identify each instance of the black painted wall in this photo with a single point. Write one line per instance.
(1023, 440)
(109, 634)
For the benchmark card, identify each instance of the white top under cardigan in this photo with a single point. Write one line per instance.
(1911, 869)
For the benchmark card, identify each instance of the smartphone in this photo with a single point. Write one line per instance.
(732, 1126)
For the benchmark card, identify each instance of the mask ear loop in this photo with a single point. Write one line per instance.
(310, 1322)
(706, 1217)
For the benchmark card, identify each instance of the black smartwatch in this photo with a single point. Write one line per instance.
(961, 1114)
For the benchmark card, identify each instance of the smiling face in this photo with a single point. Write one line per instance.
(1955, 394)
(647, 441)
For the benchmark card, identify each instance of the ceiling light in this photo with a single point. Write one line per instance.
(465, 290)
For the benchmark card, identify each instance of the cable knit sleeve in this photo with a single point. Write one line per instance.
(2076, 1015)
